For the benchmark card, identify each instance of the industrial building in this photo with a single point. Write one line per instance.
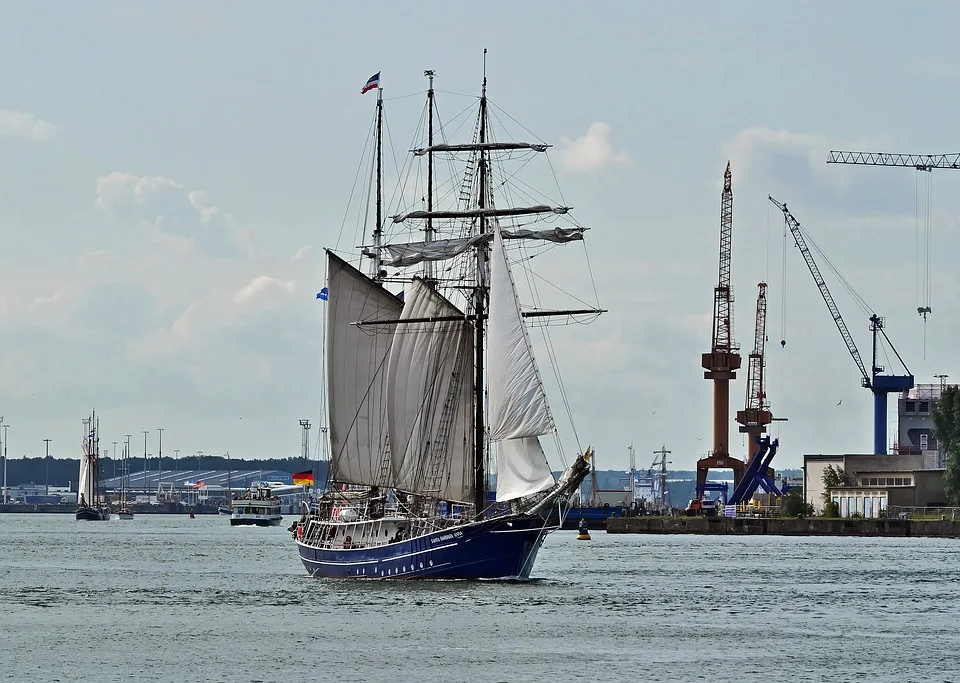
(910, 476)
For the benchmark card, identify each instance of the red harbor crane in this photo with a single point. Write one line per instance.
(723, 360)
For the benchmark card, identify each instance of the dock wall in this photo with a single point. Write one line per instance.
(784, 526)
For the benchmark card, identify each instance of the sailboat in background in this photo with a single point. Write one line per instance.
(422, 382)
(226, 509)
(90, 507)
(125, 511)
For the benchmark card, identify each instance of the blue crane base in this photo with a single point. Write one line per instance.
(883, 385)
(756, 475)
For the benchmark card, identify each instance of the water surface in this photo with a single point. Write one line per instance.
(167, 598)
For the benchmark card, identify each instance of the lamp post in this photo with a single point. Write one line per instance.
(176, 459)
(46, 466)
(145, 432)
(159, 453)
(5, 426)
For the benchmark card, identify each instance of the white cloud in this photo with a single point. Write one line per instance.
(794, 164)
(175, 216)
(46, 300)
(262, 285)
(120, 188)
(302, 253)
(21, 124)
(593, 151)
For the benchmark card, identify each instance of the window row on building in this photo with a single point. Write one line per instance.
(917, 407)
(886, 481)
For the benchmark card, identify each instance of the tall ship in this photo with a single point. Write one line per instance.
(431, 377)
(91, 505)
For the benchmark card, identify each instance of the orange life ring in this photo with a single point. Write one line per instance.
(299, 531)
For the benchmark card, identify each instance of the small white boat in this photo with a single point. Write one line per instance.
(256, 508)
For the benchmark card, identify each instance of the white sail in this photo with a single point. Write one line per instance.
(85, 484)
(522, 468)
(356, 372)
(430, 370)
(518, 407)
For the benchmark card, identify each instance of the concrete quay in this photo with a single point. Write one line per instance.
(783, 526)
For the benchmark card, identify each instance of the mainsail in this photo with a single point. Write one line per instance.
(85, 484)
(519, 411)
(430, 386)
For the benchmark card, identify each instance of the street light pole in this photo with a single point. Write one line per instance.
(46, 466)
(5, 426)
(176, 458)
(159, 455)
(145, 490)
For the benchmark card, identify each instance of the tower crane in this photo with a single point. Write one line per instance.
(879, 384)
(756, 414)
(723, 360)
(919, 162)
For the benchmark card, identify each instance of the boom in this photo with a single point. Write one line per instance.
(921, 162)
(794, 226)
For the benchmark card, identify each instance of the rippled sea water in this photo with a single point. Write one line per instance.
(167, 598)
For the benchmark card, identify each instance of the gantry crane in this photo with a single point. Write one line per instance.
(723, 360)
(880, 385)
(756, 414)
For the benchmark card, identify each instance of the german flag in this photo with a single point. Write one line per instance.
(303, 478)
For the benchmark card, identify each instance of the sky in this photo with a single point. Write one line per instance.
(172, 171)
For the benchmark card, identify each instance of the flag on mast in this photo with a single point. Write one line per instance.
(372, 83)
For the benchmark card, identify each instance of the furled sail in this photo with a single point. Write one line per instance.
(429, 389)
(356, 372)
(411, 253)
(482, 146)
(484, 212)
(518, 408)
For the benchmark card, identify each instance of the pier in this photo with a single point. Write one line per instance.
(782, 526)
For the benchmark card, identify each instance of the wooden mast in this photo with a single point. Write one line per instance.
(479, 458)
(428, 232)
(378, 228)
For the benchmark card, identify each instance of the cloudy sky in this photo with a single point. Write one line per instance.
(171, 172)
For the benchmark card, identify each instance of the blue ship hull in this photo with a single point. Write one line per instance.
(503, 547)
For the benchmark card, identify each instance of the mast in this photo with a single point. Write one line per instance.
(378, 229)
(479, 458)
(428, 231)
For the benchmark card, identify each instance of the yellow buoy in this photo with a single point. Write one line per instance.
(582, 533)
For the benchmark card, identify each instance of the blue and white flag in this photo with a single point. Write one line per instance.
(323, 294)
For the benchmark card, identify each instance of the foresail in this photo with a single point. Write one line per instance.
(522, 468)
(412, 253)
(429, 389)
(356, 372)
(518, 404)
